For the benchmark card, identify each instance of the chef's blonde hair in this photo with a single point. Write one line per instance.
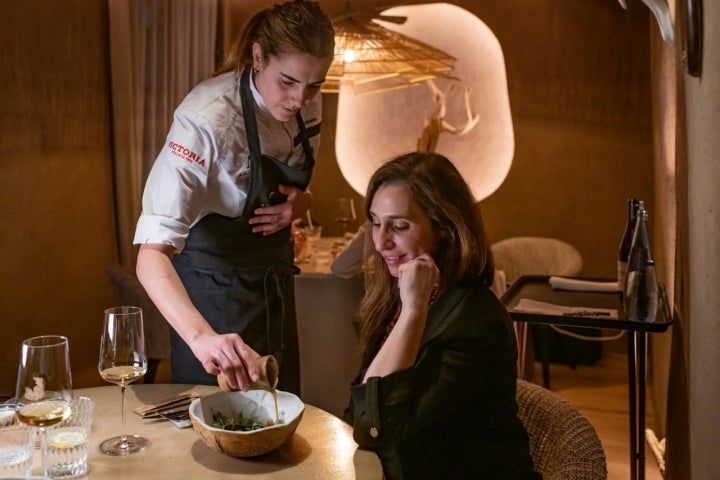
(295, 26)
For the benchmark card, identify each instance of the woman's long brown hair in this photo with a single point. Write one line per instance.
(461, 252)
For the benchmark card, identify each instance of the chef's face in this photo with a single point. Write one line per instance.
(287, 82)
(401, 230)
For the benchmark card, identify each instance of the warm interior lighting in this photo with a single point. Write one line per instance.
(370, 58)
(349, 56)
(374, 128)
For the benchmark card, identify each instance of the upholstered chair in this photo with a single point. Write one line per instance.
(129, 291)
(563, 443)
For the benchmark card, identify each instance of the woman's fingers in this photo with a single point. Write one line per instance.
(417, 279)
(269, 220)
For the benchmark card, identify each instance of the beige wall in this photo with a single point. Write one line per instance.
(664, 68)
(686, 116)
(701, 305)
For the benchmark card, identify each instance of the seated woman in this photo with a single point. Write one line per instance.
(435, 397)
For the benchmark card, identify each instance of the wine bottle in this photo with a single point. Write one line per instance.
(625, 244)
(641, 289)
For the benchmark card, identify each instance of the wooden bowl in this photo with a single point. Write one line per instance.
(253, 403)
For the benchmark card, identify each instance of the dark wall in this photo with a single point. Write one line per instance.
(579, 85)
(56, 198)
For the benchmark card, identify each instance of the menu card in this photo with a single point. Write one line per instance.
(564, 283)
(533, 306)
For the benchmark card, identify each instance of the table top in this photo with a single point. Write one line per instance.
(322, 446)
(317, 256)
(537, 287)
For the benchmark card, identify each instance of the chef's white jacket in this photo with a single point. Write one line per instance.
(203, 166)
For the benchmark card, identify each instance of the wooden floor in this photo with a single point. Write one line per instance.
(600, 391)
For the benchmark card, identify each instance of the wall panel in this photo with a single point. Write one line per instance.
(56, 193)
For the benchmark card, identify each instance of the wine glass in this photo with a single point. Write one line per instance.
(44, 384)
(122, 361)
(345, 213)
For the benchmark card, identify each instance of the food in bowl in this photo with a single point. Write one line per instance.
(241, 422)
(254, 404)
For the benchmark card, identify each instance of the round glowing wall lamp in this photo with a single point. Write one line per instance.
(473, 109)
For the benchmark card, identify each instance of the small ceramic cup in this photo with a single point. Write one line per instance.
(269, 371)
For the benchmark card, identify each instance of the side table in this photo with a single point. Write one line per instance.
(537, 287)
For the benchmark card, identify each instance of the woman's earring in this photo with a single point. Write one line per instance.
(255, 69)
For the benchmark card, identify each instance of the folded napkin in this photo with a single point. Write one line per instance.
(533, 306)
(563, 283)
(174, 409)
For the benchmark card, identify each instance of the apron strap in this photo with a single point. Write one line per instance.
(309, 158)
(251, 129)
(274, 277)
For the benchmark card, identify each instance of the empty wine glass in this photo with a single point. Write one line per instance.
(122, 361)
(345, 213)
(44, 384)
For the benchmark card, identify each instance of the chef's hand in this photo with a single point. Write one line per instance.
(230, 355)
(268, 220)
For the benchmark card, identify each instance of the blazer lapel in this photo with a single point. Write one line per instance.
(440, 312)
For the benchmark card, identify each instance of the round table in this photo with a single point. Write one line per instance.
(322, 446)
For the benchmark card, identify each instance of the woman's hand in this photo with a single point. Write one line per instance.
(416, 280)
(230, 355)
(274, 218)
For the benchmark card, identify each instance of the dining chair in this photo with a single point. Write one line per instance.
(128, 290)
(563, 443)
(518, 256)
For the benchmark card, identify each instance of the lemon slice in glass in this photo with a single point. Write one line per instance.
(67, 439)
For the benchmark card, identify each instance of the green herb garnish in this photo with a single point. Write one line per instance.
(240, 423)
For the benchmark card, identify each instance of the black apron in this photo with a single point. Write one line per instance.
(240, 281)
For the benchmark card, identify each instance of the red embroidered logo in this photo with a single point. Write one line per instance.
(186, 154)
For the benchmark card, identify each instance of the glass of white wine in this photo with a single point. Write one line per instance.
(122, 361)
(44, 384)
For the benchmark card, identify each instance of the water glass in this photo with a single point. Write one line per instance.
(313, 234)
(17, 447)
(66, 447)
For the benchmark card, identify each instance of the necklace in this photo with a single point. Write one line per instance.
(433, 296)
